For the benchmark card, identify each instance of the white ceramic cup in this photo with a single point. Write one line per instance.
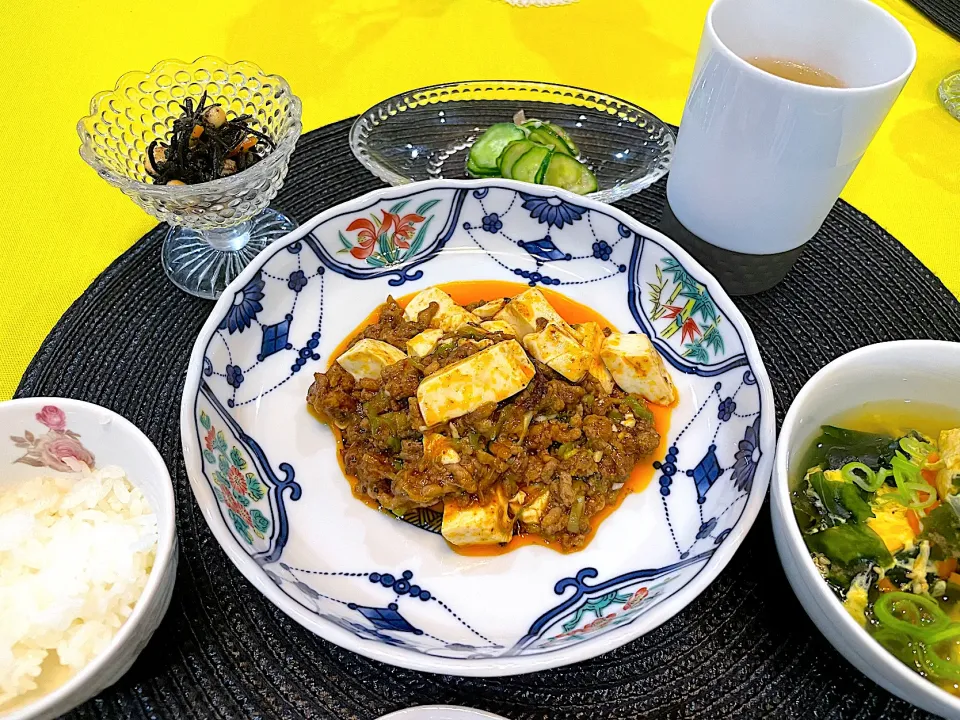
(760, 160)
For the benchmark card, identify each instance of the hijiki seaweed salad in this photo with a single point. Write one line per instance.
(881, 518)
(204, 144)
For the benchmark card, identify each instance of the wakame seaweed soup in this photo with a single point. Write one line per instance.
(877, 498)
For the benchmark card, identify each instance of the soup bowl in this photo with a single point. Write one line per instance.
(920, 371)
(265, 472)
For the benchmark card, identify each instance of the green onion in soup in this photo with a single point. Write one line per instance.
(880, 514)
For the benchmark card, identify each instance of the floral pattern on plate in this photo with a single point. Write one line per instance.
(237, 490)
(681, 316)
(250, 495)
(391, 239)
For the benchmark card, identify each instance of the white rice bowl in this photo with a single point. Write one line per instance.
(76, 551)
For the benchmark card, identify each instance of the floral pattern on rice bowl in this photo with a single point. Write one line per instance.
(59, 448)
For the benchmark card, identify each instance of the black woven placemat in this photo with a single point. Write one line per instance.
(743, 649)
(944, 13)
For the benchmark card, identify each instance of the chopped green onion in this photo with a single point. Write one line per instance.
(897, 643)
(567, 450)
(394, 444)
(640, 410)
(862, 476)
(889, 605)
(903, 473)
(376, 405)
(936, 665)
(949, 633)
(615, 415)
(527, 419)
(906, 619)
(917, 620)
(499, 426)
(910, 484)
(469, 331)
(915, 501)
(916, 450)
(393, 423)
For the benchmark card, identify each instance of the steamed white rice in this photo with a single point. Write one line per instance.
(75, 554)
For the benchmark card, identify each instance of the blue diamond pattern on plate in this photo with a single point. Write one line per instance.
(387, 618)
(544, 249)
(706, 472)
(275, 338)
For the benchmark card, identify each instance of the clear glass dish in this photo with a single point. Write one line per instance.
(425, 134)
(216, 227)
(949, 93)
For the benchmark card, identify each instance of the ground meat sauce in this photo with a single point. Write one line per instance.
(569, 438)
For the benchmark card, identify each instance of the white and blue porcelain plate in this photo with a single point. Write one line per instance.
(266, 474)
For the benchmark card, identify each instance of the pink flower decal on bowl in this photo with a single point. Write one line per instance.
(53, 417)
(58, 449)
(55, 449)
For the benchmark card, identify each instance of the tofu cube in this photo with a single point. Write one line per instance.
(499, 326)
(591, 337)
(454, 318)
(559, 351)
(526, 309)
(437, 447)
(449, 317)
(489, 309)
(485, 523)
(531, 513)
(637, 367)
(491, 375)
(419, 302)
(424, 343)
(367, 359)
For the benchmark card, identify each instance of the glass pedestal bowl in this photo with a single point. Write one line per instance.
(949, 92)
(216, 227)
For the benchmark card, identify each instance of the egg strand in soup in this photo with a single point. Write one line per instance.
(880, 514)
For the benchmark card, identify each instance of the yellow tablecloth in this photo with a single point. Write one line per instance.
(62, 225)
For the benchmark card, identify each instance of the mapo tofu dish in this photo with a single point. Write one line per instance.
(500, 412)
